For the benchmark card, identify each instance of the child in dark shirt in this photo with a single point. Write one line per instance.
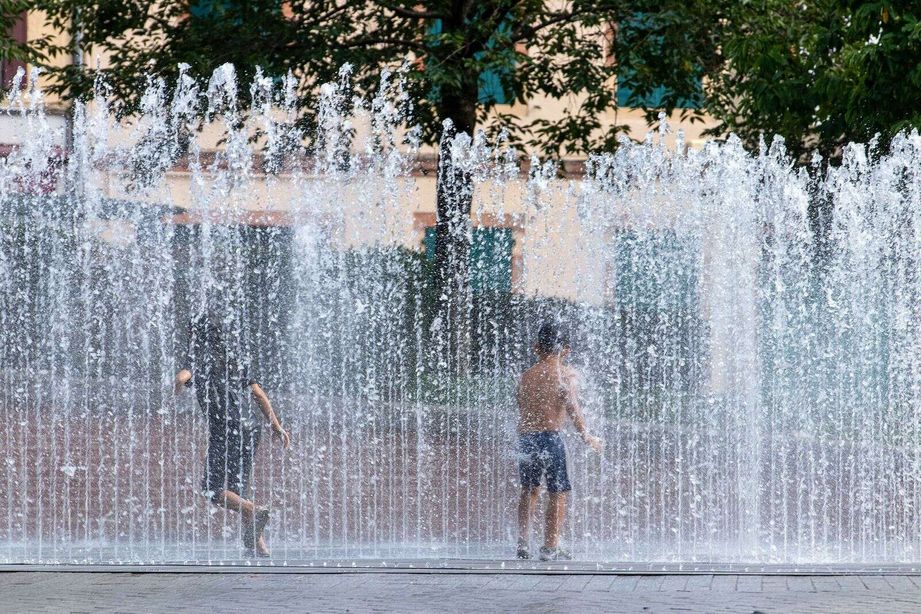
(220, 382)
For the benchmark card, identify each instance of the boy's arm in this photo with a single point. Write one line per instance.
(571, 402)
(262, 399)
(182, 380)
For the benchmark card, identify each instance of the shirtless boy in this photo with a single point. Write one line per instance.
(546, 395)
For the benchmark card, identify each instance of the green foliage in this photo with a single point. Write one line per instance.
(525, 48)
(820, 74)
(10, 12)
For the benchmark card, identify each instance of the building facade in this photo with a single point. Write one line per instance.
(502, 232)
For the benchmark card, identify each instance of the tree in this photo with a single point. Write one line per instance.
(820, 74)
(467, 59)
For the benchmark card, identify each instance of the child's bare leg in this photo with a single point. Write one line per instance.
(253, 521)
(556, 512)
(261, 548)
(525, 507)
(233, 501)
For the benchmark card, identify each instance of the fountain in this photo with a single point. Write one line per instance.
(746, 330)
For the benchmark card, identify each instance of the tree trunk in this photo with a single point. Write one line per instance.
(454, 194)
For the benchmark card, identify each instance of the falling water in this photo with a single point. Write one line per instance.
(746, 331)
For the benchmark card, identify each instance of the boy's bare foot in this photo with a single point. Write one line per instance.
(554, 554)
(262, 550)
(252, 532)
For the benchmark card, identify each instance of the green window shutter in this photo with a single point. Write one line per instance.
(490, 87)
(490, 258)
(429, 243)
(233, 9)
(653, 271)
(625, 94)
(209, 9)
(653, 99)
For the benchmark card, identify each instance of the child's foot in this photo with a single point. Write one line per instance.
(252, 532)
(554, 554)
(262, 551)
(523, 552)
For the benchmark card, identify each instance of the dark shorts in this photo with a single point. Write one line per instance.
(542, 454)
(229, 463)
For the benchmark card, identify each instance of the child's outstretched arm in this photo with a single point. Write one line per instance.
(571, 401)
(182, 379)
(266, 406)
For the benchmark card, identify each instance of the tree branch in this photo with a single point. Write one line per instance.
(319, 19)
(410, 44)
(405, 12)
(531, 30)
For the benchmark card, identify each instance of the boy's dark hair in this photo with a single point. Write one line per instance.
(551, 339)
(206, 331)
(208, 344)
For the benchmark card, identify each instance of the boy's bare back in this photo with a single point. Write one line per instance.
(546, 395)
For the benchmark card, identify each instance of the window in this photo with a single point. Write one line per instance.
(490, 257)
(654, 98)
(491, 90)
(208, 9)
(8, 68)
(653, 271)
(654, 278)
(231, 9)
(638, 29)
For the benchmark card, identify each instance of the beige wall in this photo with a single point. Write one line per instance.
(538, 108)
(555, 252)
(633, 119)
(37, 28)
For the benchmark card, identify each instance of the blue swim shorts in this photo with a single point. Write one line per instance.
(542, 454)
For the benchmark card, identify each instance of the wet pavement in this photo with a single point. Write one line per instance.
(236, 589)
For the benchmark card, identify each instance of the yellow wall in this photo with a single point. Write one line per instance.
(538, 108)
(553, 256)
(36, 28)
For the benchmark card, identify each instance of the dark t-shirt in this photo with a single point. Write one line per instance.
(220, 386)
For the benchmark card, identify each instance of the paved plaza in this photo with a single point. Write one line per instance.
(452, 591)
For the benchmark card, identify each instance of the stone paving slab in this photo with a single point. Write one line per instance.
(292, 561)
(451, 592)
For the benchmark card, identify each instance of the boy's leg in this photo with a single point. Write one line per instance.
(525, 508)
(556, 513)
(233, 501)
(557, 487)
(530, 471)
(224, 462)
(254, 521)
(233, 459)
